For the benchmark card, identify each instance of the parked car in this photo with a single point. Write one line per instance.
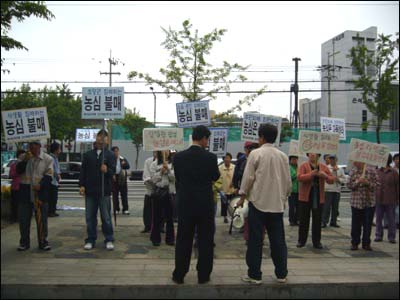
(70, 171)
(346, 175)
(136, 175)
(5, 169)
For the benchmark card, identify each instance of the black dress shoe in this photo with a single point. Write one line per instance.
(300, 245)
(318, 246)
(203, 280)
(177, 280)
(354, 247)
(367, 248)
(335, 225)
(145, 230)
(156, 244)
(323, 226)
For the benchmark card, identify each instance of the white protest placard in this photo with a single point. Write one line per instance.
(191, 114)
(335, 126)
(155, 139)
(294, 149)
(251, 124)
(369, 153)
(218, 141)
(86, 135)
(318, 142)
(103, 103)
(24, 125)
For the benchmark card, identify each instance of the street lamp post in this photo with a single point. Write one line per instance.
(155, 105)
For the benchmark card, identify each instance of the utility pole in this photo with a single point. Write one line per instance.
(112, 62)
(155, 105)
(296, 91)
(330, 76)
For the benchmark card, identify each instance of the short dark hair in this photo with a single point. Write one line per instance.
(228, 154)
(54, 147)
(395, 156)
(200, 132)
(19, 152)
(389, 161)
(269, 132)
(325, 155)
(293, 156)
(102, 132)
(115, 147)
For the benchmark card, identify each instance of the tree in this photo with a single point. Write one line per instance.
(188, 72)
(19, 10)
(377, 69)
(134, 125)
(63, 110)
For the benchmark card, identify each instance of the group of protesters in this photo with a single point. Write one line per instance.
(185, 186)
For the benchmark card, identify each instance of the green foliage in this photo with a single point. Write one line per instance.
(376, 86)
(286, 131)
(63, 110)
(19, 10)
(134, 125)
(189, 74)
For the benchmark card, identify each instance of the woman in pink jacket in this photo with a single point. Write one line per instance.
(312, 177)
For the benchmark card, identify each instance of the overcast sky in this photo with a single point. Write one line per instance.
(75, 46)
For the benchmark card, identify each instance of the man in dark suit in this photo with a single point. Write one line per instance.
(195, 171)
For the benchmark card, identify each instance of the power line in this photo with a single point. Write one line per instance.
(219, 92)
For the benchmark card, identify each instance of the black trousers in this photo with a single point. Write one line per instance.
(293, 208)
(123, 190)
(361, 220)
(162, 210)
(305, 208)
(147, 212)
(184, 243)
(14, 205)
(53, 198)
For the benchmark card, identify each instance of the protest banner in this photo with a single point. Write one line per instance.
(218, 141)
(369, 153)
(155, 139)
(335, 126)
(191, 114)
(251, 124)
(294, 149)
(103, 103)
(24, 125)
(86, 135)
(318, 142)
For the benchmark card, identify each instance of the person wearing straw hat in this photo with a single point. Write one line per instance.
(36, 171)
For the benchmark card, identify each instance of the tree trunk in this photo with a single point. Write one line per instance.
(137, 156)
(377, 130)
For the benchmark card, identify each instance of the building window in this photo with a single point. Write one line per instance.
(364, 119)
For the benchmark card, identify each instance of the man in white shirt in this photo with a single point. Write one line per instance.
(266, 184)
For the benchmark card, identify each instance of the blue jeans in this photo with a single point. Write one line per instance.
(273, 222)
(92, 204)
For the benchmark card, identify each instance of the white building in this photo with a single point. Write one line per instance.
(336, 65)
(309, 113)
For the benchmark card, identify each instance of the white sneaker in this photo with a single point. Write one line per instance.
(281, 280)
(110, 246)
(248, 279)
(88, 246)
(126, 212)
